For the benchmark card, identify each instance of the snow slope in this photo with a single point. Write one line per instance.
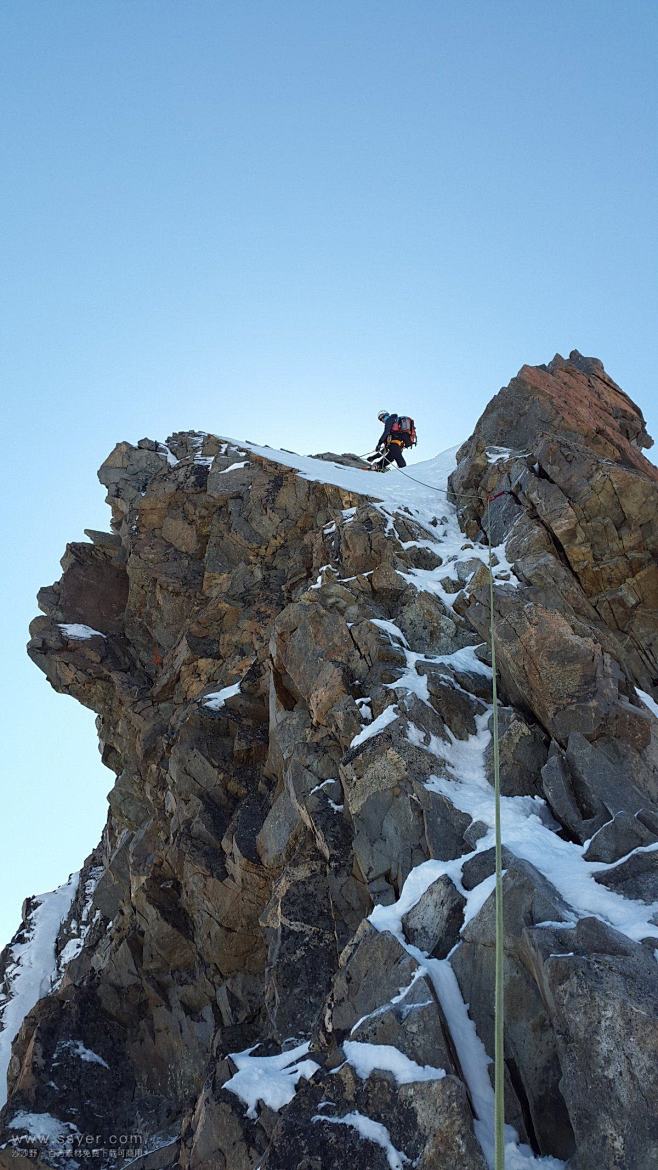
(32, 969)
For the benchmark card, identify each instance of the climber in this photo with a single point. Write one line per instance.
(399, 432)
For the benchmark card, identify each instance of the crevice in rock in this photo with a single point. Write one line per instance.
(522, 1097)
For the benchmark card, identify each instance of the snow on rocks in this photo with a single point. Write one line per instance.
(234, 467)
(79, 928)
(32, 968)
(367, 1058)
(648, 701)
(270, 1079)
(216, 699)
(388, 715)
(337, 808)
(390, 628)
(78, 1049)
(78, 632)
(372, 1131)
(529, 837)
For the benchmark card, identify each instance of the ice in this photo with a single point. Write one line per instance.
(464, 660)
(372, 1131)
(365, 1058)
(388, 715)
(216, 699)
(402, 993)
(270, 1079)
(497, 454)
(78, 632)
(419, 880)
(319, 787)
(33, 968)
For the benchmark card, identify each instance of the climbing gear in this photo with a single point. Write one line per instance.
(378, 461)
(405, 426)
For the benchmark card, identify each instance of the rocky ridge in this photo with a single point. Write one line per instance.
(281, 953)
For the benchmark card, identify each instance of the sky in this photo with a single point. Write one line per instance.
(270, 219)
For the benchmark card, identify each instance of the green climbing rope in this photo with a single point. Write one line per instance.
(499, 998)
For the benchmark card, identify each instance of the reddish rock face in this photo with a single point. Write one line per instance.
(573, 399)
(580, 516)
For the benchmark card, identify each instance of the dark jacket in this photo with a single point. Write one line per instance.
(392, 418)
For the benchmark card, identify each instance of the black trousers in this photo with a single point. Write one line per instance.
(394, 455)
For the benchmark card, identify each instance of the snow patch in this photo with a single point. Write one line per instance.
(72, 948)
(366, 1058)
(389, 628)
(216, 699)
(648, 701)
(388, 715)
(372, 1131)
(270, 1079)
(235, 467)
(77, 1048)
(78, 633)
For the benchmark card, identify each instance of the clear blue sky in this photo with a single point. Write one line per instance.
(269, 219)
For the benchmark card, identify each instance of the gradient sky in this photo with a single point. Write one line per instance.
(270, 220)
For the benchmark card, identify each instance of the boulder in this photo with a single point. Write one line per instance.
(433, 924)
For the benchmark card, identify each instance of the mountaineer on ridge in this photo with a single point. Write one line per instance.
(399, 432)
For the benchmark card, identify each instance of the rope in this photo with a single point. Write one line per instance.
(499, 979)
(499, 991)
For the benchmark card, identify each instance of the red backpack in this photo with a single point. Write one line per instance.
(405, 428)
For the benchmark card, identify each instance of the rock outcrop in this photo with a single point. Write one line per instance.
(281, 953)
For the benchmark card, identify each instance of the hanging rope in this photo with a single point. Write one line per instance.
(499, 992)
(499, 977)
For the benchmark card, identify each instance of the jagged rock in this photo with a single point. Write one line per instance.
(354, 994)
(534, 1098)
(523, 752)
(379, 780)
(578, 816)
(478, 868)
(434, 923)
(287, 683)
(618, 837)
(413, 1023)
(456, 707)
(428, 626)
(577, 440)
(600, 989)
(637, 877)
(426, 1124)
(302, 958)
